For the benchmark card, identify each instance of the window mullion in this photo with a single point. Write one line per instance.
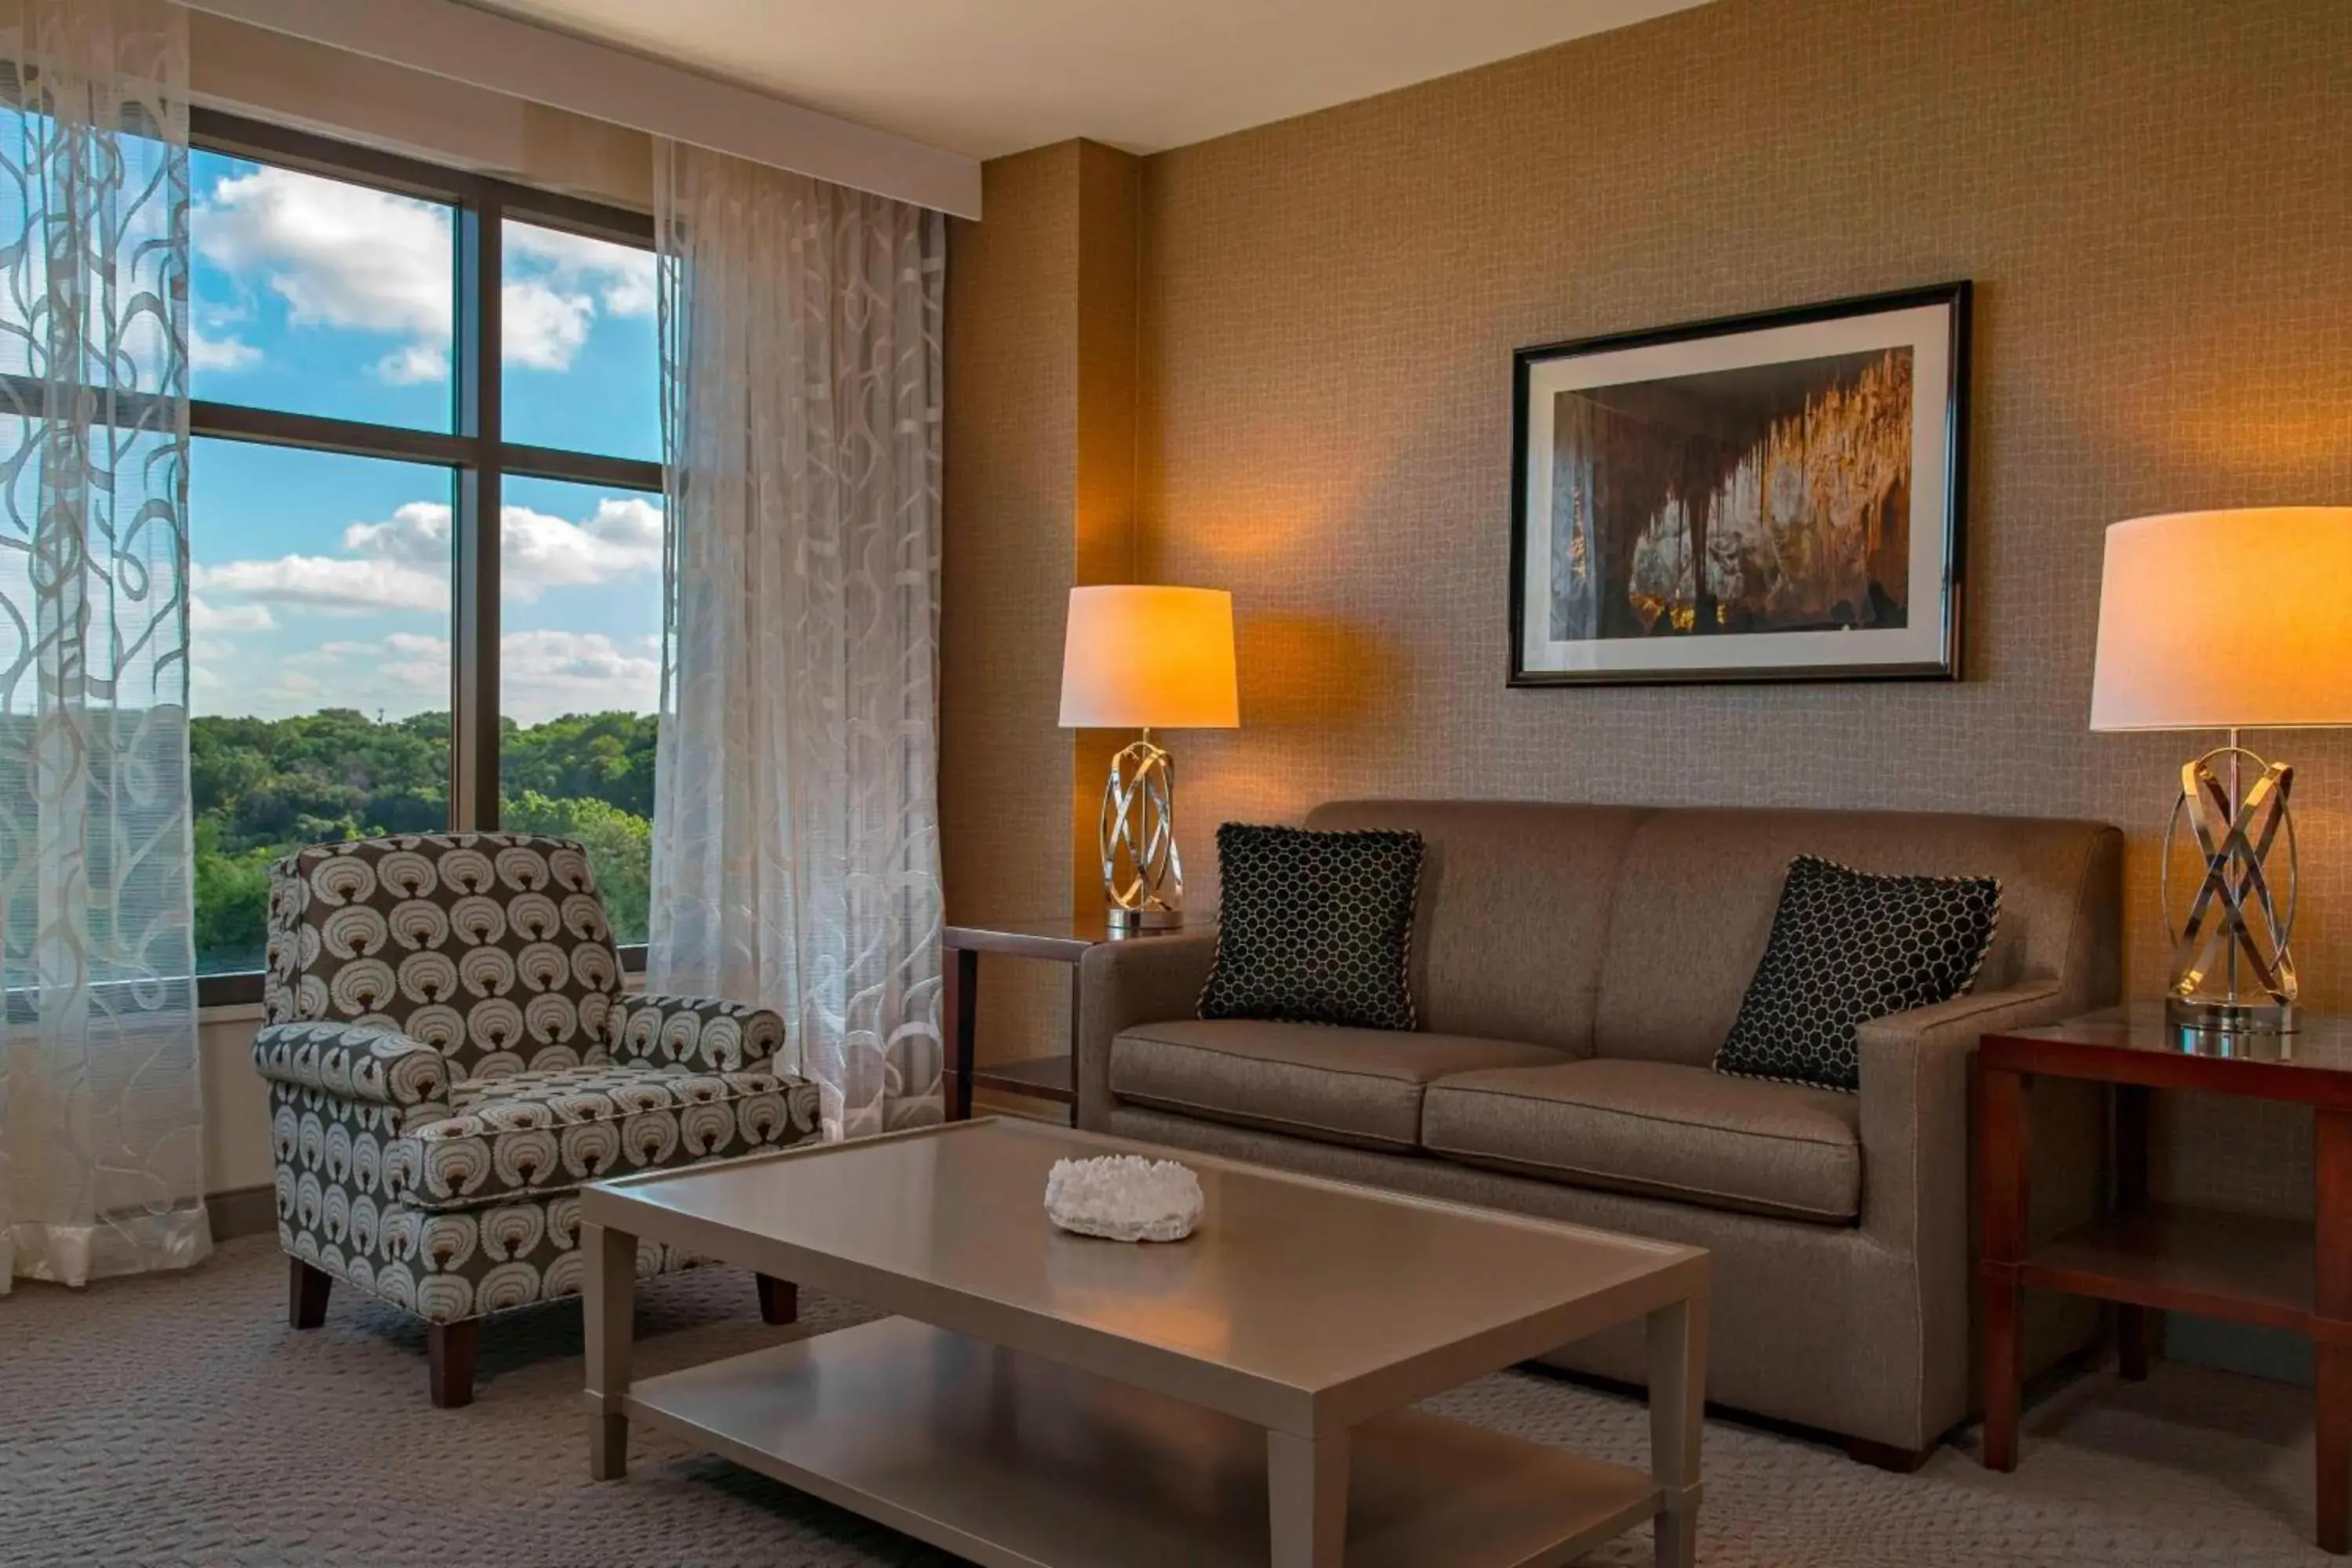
(474, 629)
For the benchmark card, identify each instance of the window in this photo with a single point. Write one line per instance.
(427, 555)
(580, 678)
(319, 680)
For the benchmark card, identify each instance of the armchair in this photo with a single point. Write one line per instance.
(450, 1055)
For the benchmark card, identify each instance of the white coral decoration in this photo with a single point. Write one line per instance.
(1125, 1197)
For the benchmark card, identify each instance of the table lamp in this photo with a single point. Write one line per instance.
(1146, 657)
(2233, 621)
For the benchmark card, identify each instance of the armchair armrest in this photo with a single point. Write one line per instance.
(697, 1031)
(1145, 980)
(378, 1066)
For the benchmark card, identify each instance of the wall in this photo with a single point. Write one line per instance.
(2152, 198)
(1040, 496)
(236, 1102)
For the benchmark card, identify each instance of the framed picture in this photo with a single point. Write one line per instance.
(1763, 498)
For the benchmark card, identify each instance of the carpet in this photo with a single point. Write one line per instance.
(176, 1419)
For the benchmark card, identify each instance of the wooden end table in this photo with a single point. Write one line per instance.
(1057, 939)
(2151, 1256)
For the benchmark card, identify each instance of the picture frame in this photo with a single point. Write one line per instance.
(1773, 497)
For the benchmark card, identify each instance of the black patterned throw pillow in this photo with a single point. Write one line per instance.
(1313, 927)
(1847, 947)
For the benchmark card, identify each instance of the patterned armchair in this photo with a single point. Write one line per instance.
(450, 1055)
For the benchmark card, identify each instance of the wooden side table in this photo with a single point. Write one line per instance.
(2145, 1255)
(1059, 939)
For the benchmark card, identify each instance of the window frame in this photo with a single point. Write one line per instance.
(474, 448)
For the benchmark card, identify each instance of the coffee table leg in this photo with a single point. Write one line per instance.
(1677, 1343)
(608, 1287)
(1306, 1497)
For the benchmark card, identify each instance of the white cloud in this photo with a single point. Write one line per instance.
(402, 561)
(622, 276)
(324, 583)
(542, 329)
(205, 616)
(208, 352)
(347, 257)
(414, 363)
(541, 675)
(622, 539)
(338, 255)
(416, 534)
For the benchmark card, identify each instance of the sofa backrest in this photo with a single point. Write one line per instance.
(1696, 890)
(1508, 933)
(1631, 931)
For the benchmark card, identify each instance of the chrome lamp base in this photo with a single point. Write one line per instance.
(2232, 970)
(2227, 1028)
(1118, 919)
(1143, 876)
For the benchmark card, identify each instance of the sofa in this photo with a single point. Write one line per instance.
(1575, 968)
(450, 1055)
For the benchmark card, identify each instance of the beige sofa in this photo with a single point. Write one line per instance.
(1575, 968)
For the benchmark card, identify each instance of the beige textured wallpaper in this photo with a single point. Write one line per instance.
(1041, 300)
(2155, 201)
(1110, 215)
(1011, 477)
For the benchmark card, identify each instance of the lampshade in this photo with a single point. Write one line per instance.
(1139, 656)
(2222, 620)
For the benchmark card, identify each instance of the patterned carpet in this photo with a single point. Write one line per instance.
(177, 1420)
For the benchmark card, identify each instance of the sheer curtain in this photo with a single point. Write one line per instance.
(795, 854)
(102, 1134)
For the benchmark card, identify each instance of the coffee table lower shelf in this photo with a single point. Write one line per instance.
(1019, 1463)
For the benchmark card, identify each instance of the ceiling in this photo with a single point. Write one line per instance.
(989, 77)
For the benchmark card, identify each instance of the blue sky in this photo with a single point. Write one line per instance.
(323, 580)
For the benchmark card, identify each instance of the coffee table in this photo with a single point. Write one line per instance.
(1242, 1397)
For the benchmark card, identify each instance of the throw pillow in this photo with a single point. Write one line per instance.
(1847, 947)
(1313, 927)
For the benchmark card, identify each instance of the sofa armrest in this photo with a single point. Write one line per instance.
(703, 1032)
(1916, 1176)
(1914, 1111)
(1142, 979)
(360, 1062)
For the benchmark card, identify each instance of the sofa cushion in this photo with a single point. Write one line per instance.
(1661, 1129)
(1339, 1085)
(533, 1134)
(1314, 927)
(1847, 947)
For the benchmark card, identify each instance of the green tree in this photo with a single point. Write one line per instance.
(619, 845)
(264, 788)
(583, 756)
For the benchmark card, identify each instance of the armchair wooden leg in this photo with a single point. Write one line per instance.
(780, 1300)
(449, 1351)
(306, 1294)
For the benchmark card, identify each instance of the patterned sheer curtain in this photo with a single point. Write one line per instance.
(795, 854)
(102, 1137)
